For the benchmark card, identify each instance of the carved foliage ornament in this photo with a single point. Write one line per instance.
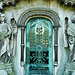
(6, 2)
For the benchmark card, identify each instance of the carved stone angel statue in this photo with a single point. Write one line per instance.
(7, 43)
(70, 66)
(5, 32)
(71, 33)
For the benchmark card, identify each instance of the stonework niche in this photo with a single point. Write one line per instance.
(31, 14)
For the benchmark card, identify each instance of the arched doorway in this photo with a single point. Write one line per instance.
(39, 52)
(39, 28)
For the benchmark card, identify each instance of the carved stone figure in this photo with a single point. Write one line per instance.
(14, 25)
(70, 66)
(14, 32)
(6, 44)
(5, 32)
(71, 33)
(5, 29)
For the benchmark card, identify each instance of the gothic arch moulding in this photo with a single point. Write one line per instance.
(43, 13)
(39, 12)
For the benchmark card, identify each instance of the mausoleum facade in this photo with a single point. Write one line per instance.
(37, 37)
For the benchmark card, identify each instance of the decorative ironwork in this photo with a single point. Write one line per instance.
(39, 68)
(39, 57)
(38, 45)
(39, 39)
(39, 36)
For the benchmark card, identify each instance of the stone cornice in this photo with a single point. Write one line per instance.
(5, 3)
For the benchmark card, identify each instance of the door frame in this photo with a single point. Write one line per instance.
(37, 12)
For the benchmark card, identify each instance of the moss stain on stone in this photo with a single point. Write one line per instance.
(38, 3)
(65, 7)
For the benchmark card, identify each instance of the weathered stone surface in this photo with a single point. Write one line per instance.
(6, 2)
(68, 2)
(71, 66)
(71, 27)
(6, 67)
(3, 72)
(4, 28)
(71, 30)
(18, 10)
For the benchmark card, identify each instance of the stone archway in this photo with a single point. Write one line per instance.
(38, 13)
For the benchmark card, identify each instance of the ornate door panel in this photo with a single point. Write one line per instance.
(39, 60)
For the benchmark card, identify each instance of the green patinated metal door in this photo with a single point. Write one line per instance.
(39, 52)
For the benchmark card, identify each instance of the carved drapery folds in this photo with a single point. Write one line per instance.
(69, 37)
(7, 42)
(13, 35)
(5, 31)
(71, 33)
(70, 67)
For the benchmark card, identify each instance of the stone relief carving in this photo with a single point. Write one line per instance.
(69, 37)
(6, 2)
(71, 33)
(14, 25)
(5, 32)
(66, 2)
(70, 66)
(13, 35)
(7, 36)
